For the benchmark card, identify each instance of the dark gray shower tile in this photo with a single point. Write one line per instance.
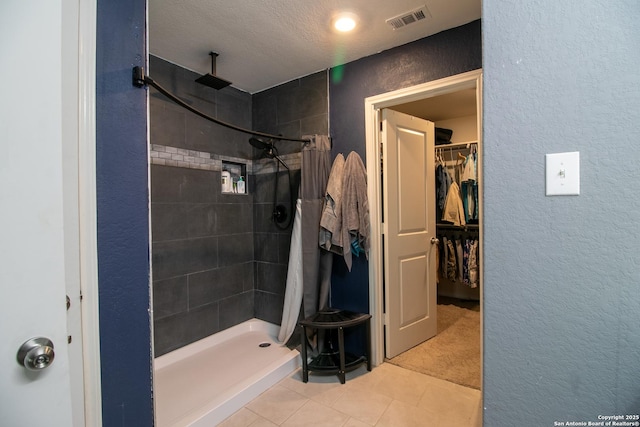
(236, 199)
(271, 277)
(240, 274)
(287, 87)
(264, 111)
(198, 134)
(229, 142)
(205, 288)
(177, 258)
(264, 186)
(231, 94)
(173, 332)
(266, 247)
(291, 129)
(168, 221)
(202, 219)
(236, 309)
(169, 297)
(235, 249)
(172, 184)
(289, 147)
(234, 107)
(314, 125)
(167, 125)
(198, 186)
(284, 246)
(248, 276)
(301, 102)
(251, 187)
(316, 81)
(163, 187)
(262, 218)
(213, 285)
(203, 321)
(170, 333)
(168, 75)
(235, 218)
(287, 186)
(198, 96)
(268, 307)
(206, 103)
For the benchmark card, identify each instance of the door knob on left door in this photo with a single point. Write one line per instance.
(36, 354)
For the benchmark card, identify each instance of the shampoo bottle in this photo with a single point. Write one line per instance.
(226, 182)
(241, 188)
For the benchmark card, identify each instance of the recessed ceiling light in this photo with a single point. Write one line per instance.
(345, 22)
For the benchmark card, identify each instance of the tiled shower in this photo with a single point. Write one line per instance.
(218, 259)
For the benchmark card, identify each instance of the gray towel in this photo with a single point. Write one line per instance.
(355, 207)
(331, 220)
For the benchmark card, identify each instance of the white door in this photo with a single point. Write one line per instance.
(408, 184)
(36, 263)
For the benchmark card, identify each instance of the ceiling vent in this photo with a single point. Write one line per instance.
(407, 18)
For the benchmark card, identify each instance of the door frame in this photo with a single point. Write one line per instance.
(87, 210)
(372, 107)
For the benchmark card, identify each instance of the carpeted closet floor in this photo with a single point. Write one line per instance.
(454, 353)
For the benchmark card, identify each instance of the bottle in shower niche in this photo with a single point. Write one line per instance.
(226, 182)
(241, 185)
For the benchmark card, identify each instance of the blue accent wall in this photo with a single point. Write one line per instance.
(561, 317)
(123, 226)
(442, 55)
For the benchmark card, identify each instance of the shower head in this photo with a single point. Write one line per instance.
(268, 149)
(260, 144)
(211, 79)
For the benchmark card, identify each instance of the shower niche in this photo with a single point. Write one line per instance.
(233, 178)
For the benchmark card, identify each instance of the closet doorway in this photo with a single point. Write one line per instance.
(465, 92)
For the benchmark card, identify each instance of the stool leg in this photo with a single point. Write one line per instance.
(341, 373)
(368, 348)
(303, 354)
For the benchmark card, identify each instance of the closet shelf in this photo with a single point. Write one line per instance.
(457, 145)
(472, 227)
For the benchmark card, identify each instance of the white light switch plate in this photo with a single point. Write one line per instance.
(563, 174)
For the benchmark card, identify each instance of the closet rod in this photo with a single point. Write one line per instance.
(140, 80)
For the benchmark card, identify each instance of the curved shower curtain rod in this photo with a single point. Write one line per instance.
(140, 80)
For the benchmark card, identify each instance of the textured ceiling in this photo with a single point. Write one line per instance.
(265, 43)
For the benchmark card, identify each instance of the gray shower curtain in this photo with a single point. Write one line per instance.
(316, 262)
(309, 273)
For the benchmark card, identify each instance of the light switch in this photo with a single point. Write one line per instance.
(563, 174)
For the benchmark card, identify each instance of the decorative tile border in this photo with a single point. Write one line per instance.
(179, 157)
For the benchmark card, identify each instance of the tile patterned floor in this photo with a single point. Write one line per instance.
(388, 396)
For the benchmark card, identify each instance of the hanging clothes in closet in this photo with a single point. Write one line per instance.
(457, 206)
(458, 260)
(457, 187)
(443, 182)
(469, 186)
(449, 207)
